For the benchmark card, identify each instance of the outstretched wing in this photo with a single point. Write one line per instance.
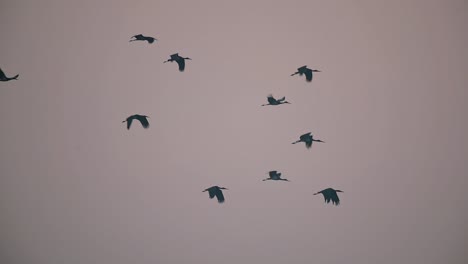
(150, 39)
(271, 99)
(219, 196)
(305, 136)
(281, 99)
(211, 192)
(2, 74)
(308, 74)
(181, 63)
(144, 121)
(334, 198)
(129, 122)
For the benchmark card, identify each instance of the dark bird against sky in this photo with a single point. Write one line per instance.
(273, 101)
(216, 191)
(180, 61)
(307, 138)
(330, 194)
(4, 78)
(275, 176)
(142, 118)
(140, 37)
(304, 70)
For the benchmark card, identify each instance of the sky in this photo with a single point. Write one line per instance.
(390, 102)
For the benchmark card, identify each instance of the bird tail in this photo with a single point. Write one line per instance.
(15, 77)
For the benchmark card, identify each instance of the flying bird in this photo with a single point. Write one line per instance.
(4, 78)
(142, 38)
(275, 176)
(142, 118)
(216, 191)
(304, 70)
(330, 194)
(180, 60)
(273, 101)
(307, 139)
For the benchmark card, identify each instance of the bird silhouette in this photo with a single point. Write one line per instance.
(330, 194)
(142, 118)
(304, 70)
(273, 101)
(275, 176)
(142, 38)
(180, 61)
(4, 78)
(307, 139)
(216, 191)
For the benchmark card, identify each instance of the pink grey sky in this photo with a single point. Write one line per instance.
(76, 187)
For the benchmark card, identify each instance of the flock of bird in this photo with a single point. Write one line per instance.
(329, 194)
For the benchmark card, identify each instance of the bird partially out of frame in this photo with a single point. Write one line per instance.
(4, 78)
(275, 176)
(304, 70)
(216, 191)
(140, 37)
(308, 139)
(142, 118)
(180, 61)
(330, 194)
(273, 101)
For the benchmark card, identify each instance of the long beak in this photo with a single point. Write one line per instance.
(296, 142)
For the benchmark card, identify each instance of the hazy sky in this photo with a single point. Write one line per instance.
(77, 187)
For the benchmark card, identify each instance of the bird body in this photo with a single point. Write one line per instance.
(273, 101)
(142, 118)
(275, 176)
(307, 138)
(142, 38)
(216, 191)
(4, 78)
(304, 70)
(330, 194)
(180, 61)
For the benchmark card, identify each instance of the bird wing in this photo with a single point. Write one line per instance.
(219, 196)
(2, 74)
(281, 99)
(129, 122)
(305, 136)
(181, 63)
(211, 192)
(308, 74)
(271, 99)
(334, 198)
(144, 121)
